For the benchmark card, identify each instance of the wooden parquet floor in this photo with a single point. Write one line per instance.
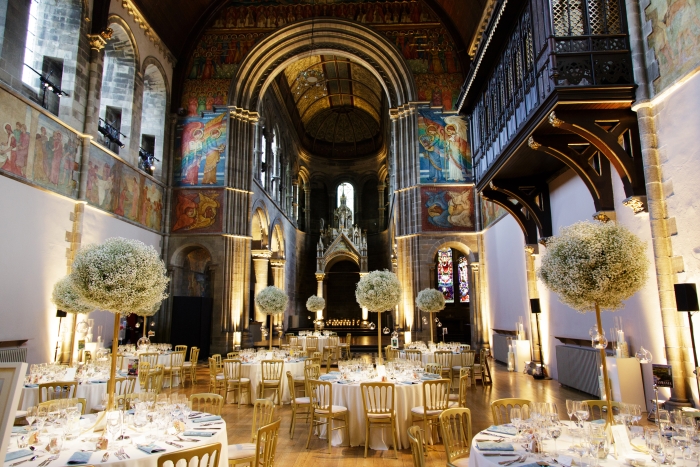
(292, 453)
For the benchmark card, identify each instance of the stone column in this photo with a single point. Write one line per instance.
(380, 189)
(137, 107)
(261, 259)
(295, 201)
(479, 324)
(530, 252)
(319, 291)
(307, 208)
(278, 280)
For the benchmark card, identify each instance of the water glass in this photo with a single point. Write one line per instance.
(56, 439)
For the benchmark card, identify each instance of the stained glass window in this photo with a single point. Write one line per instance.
(445, 275)
(463, 271)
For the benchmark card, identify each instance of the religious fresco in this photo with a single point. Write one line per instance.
(675, 39)
(491, 212)
(115, 187)
(444, 153)
(447, 208)
(416, 31)
(197, 210)
(36, 148)
(200, 157)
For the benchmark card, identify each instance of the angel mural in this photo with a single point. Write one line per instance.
(447, 209)
(444, 152)
(456, 148)
(197, 210)
(202, 140)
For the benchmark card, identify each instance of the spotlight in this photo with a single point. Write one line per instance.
(147, 161)
(109, 132)
(46, 84)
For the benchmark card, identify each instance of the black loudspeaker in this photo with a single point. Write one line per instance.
(686, 297)
(535, 305)
(61, 314)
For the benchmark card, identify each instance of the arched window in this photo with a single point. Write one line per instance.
(349, 191)
(453, 275)
(152, 120)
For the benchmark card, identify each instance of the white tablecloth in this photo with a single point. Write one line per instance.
(138, 458)
(91, 392)
(163, 359)
(429, 357)
(350, 396)
(322, 342)
(253, 372)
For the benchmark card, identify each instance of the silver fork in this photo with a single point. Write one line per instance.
(49, 460)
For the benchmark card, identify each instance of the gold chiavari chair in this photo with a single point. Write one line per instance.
(233, 355)
(311, 344)
(415, 439)
(465, 381)
(444, 359)
(414, 355)
(344, 347)
(57, 390)
(190, 368)
(466, 360)
(433, 368)
(323, 412)
(435, 401)
(154, 380)
(266, 445)
(80, 402)
(456, 430)
(181, 348)
(235, 382)
(217, 379)
(150, 358)
(301, 406)
(244, 453)
(207, 402)
(378, 400)
(271, 378)
(500, 409)
(206, 456)
(177, 360)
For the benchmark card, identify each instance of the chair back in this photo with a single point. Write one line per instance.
(414, 355)
(120, 361)
(321, 394)
(217, 357)
(272, 370)
(348, 339)
(311, 343)
(333, 341)
(194, 355)
(124, 385)
(150, 358)
(154, 380)
(433, 368)
(391, 353)
(207, 402)
(444, 358)
(58, 404)
(124, 401)
(263, 411)
(500, 409)
(177, 358)
(181, 348)
(266, 445)
(144, 368)
(57, 390)
(436, 394)
(598, 409)
(415, 439)
(366, 359)
(232, 369)
(233, 355)
(311, 372)
(467, 358)
(207, 456)
(378, 398)
(456, 430)
(465, 382)
(292, 340)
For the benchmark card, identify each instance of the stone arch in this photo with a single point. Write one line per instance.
(156, 96)
(192, 265)
(325, 36)
(446, 242)
(260, 226)
(121, 63)
(277, 240)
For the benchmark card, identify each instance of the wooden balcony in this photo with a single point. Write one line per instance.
(536, 68)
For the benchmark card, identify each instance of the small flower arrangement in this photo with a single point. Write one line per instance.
(315, 303)
(67, 298)
(271, 300)
(430, 300)
(121, 276)
(378, 291)
(589, 263)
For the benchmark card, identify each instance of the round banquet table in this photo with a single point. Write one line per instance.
(380, 439)
(322, 342)
(479, 458)
(253, 372)
(137, 458)
(91, 392)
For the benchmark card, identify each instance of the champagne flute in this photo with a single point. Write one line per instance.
(570, 408)
(31, 416)
(515, 419)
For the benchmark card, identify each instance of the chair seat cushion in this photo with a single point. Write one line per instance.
(378, 415)
(456, 368)
(454, 397)
(302, 400)
(420, 411)
(187, 364)
(461, 462)
(336, 409)
(242, 380)
(271, 382)
(241, 451)
(452, 404)
(220, 377)
(299, 379)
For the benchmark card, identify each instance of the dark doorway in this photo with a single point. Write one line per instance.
(192, 323)
(340, 290)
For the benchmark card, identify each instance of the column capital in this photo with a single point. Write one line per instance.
(531, 249)
(261, 254)
(320, 276)
(99, 41)
(278, 262)
(474, 266)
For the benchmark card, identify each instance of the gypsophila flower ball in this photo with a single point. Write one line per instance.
(315, 303)
(589, 263)
(271, 300)
(122, 276)
(67, 298)
(378, 291)
(430, 300)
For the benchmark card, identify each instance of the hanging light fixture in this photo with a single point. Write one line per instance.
(310, 78)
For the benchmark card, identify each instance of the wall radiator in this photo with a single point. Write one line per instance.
(16, 354)
(578, 368)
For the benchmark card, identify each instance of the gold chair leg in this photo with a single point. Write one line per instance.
(329, 433)
(366, 435)
(311, 429)
(393, 434)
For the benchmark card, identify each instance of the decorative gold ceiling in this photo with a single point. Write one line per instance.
(344, 109)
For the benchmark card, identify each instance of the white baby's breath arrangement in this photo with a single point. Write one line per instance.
(589, 263)
(271, 300)
(430, 300)
(67, 298)
(378, 291)
(122, 276)
(315, 303)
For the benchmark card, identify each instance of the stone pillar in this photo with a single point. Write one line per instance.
(319, 291)
(295, 201)
(380, 189)
(307, 208)
(530, 252)
(278, 280)
(137, 107)
(479, 323)
(261, 259)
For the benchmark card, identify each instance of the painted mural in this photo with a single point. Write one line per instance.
(115, 187)
(37, 149)
(447, 208)
(491, 212)
(425, 44)
(197, 210)
(200, 157)
(444, 153)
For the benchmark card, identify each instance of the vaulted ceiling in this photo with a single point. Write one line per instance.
(180, 22)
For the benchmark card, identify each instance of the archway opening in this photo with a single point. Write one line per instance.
(153, 120)
(342, 279)
(451, 276)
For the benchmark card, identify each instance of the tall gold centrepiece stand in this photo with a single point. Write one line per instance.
(603, 355)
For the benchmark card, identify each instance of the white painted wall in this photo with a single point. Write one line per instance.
(33, 258)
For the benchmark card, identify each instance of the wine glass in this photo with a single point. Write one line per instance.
(582, 412)
(554, 431)
(515, 419)
(570, 408)
(654, 444)
(114, 423)
(31, 416)
(636, 412)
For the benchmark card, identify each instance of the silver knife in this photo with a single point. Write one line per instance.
(105, 458)
(33, 458)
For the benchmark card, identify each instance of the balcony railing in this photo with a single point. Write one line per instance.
(561, 46)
